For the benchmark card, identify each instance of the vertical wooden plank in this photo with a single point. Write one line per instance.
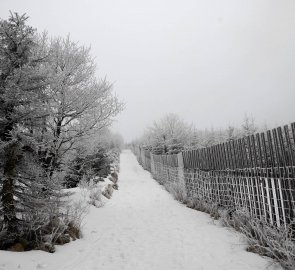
(254, 151)
(255, 175)
(269, 201)
(220, 160)
(282, 197)
(214, 163)
(284, 147)
(275, 199)
(260, 157)
(245, 154)
(287, 186)
(289, 145)
(222, 154)
(223, 157)
(264, 150)
(235, 154)
(250, 151)
(275, 163)
(266, 196)
(210, 157)
(263, 200)
(232, 154)
(201, 159)
(189, 159)
(271, 150)
(293, 135)
(277, 149)
(240, 156)
(258, 197)
(207, 158)
(286, 161)
(214, 158)
(196, 157)
(226, 156)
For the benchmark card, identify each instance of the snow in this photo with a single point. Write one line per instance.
(143, 227)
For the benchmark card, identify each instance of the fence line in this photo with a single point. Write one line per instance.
(256, 173)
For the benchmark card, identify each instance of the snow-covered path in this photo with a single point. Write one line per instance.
(143, 227)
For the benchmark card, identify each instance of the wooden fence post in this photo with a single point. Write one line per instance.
(180, 169)
(153, 170)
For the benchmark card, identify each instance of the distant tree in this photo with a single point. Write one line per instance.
(249, 127)
(209, 138)
(231, 133)
(168, 131)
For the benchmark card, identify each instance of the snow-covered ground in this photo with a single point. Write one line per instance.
(143, 227)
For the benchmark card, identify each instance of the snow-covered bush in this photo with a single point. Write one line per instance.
(263, 238)
(92, 192)
(198, 203)
(95, 197)
(177, 190)
(88, 166)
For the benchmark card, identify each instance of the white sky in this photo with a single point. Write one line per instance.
(209, 61)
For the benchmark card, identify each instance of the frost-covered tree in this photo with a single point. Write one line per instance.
(168, 133)
(78, 104)
(249, 127)
(23, 79)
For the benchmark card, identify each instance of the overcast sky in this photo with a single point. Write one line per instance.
(209, 61)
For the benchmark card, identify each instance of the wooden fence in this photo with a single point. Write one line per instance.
(256, 173)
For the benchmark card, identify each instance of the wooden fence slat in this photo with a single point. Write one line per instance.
(277, 149)
(260, 157)
(289, 145)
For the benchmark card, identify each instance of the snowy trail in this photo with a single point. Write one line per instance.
(143, 227)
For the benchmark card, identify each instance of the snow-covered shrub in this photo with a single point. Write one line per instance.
(85, 184)
(178, 191)
(89, 166)
(263, 238)
(95, 197)
(92, 192)
(175, 147)
(198, 203)
(64, 227)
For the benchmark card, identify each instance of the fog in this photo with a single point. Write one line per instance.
(210, 62)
